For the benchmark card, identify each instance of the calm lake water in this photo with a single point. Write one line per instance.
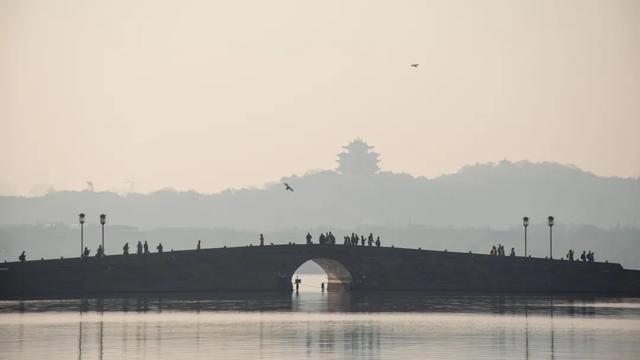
(315, 325)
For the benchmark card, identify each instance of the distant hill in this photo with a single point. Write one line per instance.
(482, 195)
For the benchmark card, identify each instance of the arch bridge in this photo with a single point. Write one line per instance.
(352, 268)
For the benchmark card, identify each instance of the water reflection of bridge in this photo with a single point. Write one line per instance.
(97, 330)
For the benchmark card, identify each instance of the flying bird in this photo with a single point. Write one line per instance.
(415, 65)
(287, 187)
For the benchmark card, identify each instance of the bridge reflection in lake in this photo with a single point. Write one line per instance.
(319, 325)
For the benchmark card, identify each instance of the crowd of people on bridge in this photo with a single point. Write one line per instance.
(585, 257)
(324, 239)
(349, 240)
(499, 251)
(140, 247)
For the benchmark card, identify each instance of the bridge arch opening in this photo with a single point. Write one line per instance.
(338, 277)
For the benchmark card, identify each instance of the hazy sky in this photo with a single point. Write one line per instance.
(208, 95)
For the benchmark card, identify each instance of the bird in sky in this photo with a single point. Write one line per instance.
(287, 187)
(415, 65)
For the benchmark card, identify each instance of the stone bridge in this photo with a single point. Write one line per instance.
(354, 268)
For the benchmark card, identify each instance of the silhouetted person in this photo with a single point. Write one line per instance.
(321, 239)
(261, 240)
(146, 247)
(298, 281)
(22, 257)
(86, 252)
(99, 252)
(370, 239)
(570, 255)
(322, 286)
(347, 240)
(378, 241)
(493, 251)
(583, 257)
(198, 246)
(332, 239)
(159, 248)
(590, 256)
(139, 248)
(125, 249)
(513, 252)
(362, 240)
(308, 237)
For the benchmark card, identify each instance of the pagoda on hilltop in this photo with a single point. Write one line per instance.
(358, 159)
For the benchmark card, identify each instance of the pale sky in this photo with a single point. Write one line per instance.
(208, 95)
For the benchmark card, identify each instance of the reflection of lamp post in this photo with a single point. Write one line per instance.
(550, 237)
(81, 218)
(525, 223)
(103, 220)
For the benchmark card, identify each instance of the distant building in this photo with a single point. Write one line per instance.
(357, 159)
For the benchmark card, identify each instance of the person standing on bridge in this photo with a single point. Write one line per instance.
(198, 246)
(261, 240)
(309, 237)
(146, 247)
(362, 240)
(139, 248)
(370, 239)
(22, 257)
(570, 255)
(378, 242)
(86, 252)
(159, 248)
(99, 252)
(125, 249)
(321, 239)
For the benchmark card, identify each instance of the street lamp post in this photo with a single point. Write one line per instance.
(103, 220)
(525, 223)
(550, 237)
(81, 218)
